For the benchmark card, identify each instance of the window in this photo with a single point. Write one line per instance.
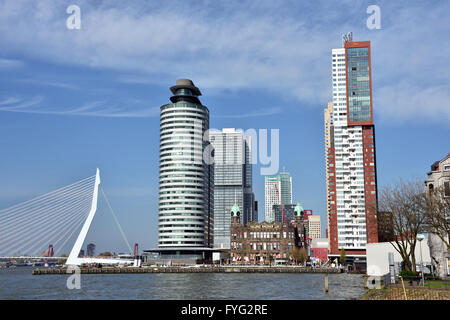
(447, 189)
(447, 167)
(448, 266)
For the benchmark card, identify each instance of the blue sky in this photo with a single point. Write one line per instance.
(74, 100)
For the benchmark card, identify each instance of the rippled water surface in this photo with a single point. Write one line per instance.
(19, 283)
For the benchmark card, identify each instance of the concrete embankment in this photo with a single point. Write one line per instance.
(202, 269)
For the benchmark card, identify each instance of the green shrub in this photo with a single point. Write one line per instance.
(406, 274)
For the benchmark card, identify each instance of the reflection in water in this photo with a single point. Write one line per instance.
(18, 283)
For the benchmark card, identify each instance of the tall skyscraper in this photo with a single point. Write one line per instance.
(272, 186)
(232, 181)
(90, 250)
(186, 182)
(330, 170)
(351, 161)
(276, 189)
(286, 188)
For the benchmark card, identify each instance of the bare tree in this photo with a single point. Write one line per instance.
(438, 214)
(299, 254)
(403, 207)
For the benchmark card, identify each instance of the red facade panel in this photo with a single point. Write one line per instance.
(332, 218)
(370, 183)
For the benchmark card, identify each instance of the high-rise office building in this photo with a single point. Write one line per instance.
(278, 190)
(272, 186)
(90, 250)
(186, 182)
(286, 188)
(232, 181)
(351, 161)
(314, 226)
(288, 210)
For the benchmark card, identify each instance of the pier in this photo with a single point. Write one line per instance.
(188, 269)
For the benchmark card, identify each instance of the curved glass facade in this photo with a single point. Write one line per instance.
(185, 217)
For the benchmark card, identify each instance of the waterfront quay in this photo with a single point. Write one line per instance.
(187, 269)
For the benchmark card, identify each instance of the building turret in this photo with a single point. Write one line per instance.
(298, 210)
(235, 214)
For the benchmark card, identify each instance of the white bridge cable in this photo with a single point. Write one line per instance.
(44, 200)
(46, 214)
(39, 229)
(48, 236)
(54, 199)
(58, 249)
(56, 238)
(20, 244)
(49, 217)
(117, 221)
(37, 220)
(27, 206)
(12, 208)
(61, 213)
(43, 212)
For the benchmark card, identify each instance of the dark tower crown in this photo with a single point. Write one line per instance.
(185, 90)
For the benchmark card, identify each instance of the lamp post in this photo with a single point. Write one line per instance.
(420, 237)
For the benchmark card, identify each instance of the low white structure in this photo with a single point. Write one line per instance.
(378, 261)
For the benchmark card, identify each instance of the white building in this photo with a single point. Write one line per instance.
(278, 190)
(439, 177)
(314, 227)
(186, 182)
(378, 260)
(272, 189)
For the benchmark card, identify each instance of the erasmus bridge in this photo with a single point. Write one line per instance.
(52, 219)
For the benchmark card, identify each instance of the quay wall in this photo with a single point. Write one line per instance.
(203, 269)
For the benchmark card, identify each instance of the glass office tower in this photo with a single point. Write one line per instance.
(232, 181)
(186, 182)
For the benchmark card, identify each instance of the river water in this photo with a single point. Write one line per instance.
(19, 283)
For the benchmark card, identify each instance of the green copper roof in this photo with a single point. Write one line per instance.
(298, 209)
(235, 210)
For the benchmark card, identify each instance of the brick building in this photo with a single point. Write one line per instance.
(256, 242)
(319, 249)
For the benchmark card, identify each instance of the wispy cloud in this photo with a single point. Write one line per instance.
(256, 113)
(9, 101)
(57, 84)
(10, 64)
(91, 109)
(279, 47)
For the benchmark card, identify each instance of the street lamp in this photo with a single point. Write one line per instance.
(420, 237)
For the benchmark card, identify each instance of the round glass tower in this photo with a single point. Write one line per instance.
(185, 180)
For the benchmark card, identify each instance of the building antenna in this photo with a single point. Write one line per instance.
(347, 38)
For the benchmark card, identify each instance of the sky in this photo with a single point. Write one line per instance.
(72, 100)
